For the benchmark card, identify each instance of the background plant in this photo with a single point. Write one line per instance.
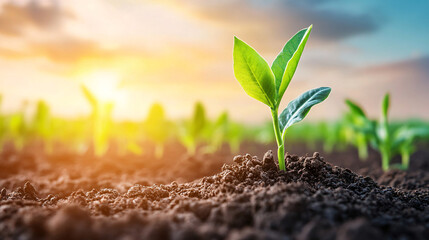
(191, 132)
(386, 138)
(157, 128)
(101, 122)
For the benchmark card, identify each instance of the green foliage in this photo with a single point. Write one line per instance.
(269, 84)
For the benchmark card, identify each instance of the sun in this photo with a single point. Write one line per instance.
(104, 84)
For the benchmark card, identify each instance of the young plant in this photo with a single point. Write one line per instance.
(101, 120)
(268, 85)
(42, 126)
(404, 142)
(192, 132)
(16, 128)
(353, 120)
(388, 140)
(218, 132)
(223, 130)
(157, 128)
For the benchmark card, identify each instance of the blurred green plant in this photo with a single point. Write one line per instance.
(223, 130)
(101, 121)
(42, 127)
(268, 85)
(157, 128)
(354, 120)
(192, 131)
(387, 139)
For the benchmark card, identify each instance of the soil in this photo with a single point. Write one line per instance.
(214, 196)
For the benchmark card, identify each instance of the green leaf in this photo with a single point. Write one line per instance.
(385, 107)
(409, 134)
(89, 96)
(253, 73)
(355, 109)
(285, 64)
(298, 108)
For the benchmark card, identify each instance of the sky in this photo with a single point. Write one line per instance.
(138, 52)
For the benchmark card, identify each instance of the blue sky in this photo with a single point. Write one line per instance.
(402, 29)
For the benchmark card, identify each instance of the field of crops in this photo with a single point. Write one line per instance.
(126, 170)
(245, 163)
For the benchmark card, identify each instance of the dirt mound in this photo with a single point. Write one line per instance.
(249, 199)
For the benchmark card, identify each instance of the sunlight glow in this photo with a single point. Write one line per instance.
(104, 84)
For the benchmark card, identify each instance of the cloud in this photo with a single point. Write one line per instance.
(64, 49)
(15, 18)
(277, 18)
(413, 67)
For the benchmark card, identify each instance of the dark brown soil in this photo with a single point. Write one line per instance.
(67, 198)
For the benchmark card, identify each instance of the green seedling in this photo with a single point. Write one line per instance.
(353, 120)
(42, 125)
(157, 128)
(268, 85)
(101, 120)
(191, 133)
(404, 142)
(331, 136)
(387, 139)
(217, 133)
(223, 130)
(127, 138)
(16, 128)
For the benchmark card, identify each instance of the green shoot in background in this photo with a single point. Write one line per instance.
(356, 119)
(224, 131)
(191, 133)
(101, 120)
(42, 125)
(157, 128)
(268, 85)
(387, 139)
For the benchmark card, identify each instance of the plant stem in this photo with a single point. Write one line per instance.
(405, 159)
(385, 160)
(279, 139)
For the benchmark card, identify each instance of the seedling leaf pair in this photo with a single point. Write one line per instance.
(259, 80)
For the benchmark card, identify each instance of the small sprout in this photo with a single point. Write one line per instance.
(353, 120)
(217, 133)
(42, 125)
(101, 121)
(191, 133)
(223, 130)
(16, 127)
(157, 128)
(268, 85)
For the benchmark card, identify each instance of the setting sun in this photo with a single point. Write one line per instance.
(104, 84)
